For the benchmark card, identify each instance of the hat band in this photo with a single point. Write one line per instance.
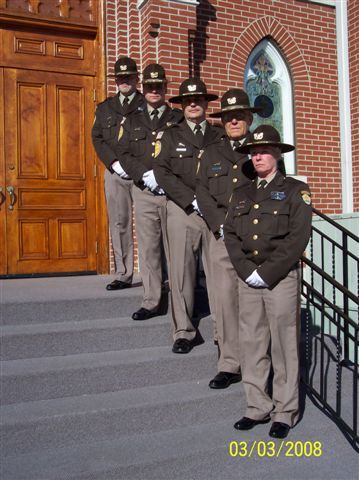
(236, 107)
(154, 80)
(129, 72)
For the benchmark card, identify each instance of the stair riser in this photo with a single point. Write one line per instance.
(63, 431)
(65, 383)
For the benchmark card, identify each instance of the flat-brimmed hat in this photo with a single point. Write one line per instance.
(125, 66)
(193, 87)
(234, 99)
(265, 135)
(154, 73)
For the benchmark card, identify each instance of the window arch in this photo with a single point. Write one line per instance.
(268, 83)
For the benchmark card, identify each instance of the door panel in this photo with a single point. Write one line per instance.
(49, 164)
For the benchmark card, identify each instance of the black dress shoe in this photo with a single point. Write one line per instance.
(117, 285)
(224, 379)
(279, 430)
(182, 345)
(246, 423)
(144, 314)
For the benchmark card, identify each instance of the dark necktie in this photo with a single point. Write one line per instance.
(199, 134)
(262, 184)
(154, 118)
(125, 105)
(236, 145)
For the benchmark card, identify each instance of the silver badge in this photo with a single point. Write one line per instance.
(123, 67)
(191, 88)
(231, 101)
(154, 74)
(258, 136)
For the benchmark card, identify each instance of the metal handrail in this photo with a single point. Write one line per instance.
(335, 224)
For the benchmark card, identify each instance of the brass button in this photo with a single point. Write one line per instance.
(256, 206)
(255, 252)
(153, 143)
(275, 212)
(255, 237)
(153, 133)
(216, 174)
(255, 221)
(235, 180)
(235, 167)
(152, 154)
(180, 156)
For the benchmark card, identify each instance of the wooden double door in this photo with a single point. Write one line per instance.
(47, 173)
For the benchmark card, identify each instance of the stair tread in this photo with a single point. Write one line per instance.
(93, 360)
(178, 392)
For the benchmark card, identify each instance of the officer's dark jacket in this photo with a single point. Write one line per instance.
(136, 148)
(176, 165)
(109, 115)
(268, 229)
(220, 170)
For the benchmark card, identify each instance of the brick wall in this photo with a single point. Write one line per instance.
(214, 39)
(353, 21)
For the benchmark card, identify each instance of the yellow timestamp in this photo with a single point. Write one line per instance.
(286, 448)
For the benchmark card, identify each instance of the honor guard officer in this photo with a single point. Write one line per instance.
(175, 170)
(221, 168)
(266, 231)
(118, 186)
(137, 149)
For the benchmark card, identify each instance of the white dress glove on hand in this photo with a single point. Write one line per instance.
(149, 180)
(196, 207)
(255, 280)
(116, 167)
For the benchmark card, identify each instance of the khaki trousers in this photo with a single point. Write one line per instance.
(269, 335)
(226, 305)
(150, 222)
(118, 193)
(186, 235)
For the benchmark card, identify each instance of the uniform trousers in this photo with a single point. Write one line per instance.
(186, 235)
(151, 233)
(269, 330)
(226, 304)
(118, 193)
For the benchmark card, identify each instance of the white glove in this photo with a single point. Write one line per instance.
(221, 233)
(149, 180)
(116, 167)
(196, 207)
(255, 280)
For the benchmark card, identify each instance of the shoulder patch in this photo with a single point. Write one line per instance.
(120, 133)
(158, 147)
(306, 197)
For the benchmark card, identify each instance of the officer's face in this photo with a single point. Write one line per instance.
(237, 123)
(127, 84)
(194, 108)
(155, 93)
(265, 160)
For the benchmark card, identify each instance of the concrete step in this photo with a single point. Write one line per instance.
(194, 452)
(87, 373)
(58, 423)
(108, 305)
(99, 335)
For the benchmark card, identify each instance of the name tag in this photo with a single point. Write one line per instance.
(181, 149)
(278, 195)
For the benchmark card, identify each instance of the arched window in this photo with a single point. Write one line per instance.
(268, 83)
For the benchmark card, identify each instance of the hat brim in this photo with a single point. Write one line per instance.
(284, 147)
(154, 80)
(234, 108)
(122, 74)
(179, 98)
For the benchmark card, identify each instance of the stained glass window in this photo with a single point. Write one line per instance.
(269, 86)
